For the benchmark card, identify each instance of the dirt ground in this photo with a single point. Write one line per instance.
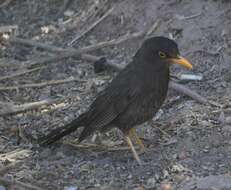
(188, 148)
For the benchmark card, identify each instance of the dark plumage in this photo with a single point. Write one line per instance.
(133, 96)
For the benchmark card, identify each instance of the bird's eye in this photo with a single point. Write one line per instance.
(162, 54)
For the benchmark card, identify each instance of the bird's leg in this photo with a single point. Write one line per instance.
(133, 133)
(133, 149)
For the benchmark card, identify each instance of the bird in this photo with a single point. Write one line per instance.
(133, 97)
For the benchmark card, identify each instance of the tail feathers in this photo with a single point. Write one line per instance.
(60, 132)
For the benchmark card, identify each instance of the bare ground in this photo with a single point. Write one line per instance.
(193, 152)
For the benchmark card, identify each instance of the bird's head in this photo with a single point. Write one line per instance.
(163, 52)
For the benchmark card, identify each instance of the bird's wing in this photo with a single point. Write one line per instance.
(112, 101)
(108, 105)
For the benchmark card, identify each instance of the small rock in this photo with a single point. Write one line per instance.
(178, 168)
(98, 82)
(71, 188)
(165, 174)
(206, 149)
(151, 182)
(97, 185)
(129, 176)
(166, 186)
(139, 188)
(69, 13)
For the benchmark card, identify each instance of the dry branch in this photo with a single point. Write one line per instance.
(71, 52)
(184, 90)
(42, 84)
(97, 147)
(91, 27)
(10, 109)
(18, 184)
(18, 73)
(6, 3)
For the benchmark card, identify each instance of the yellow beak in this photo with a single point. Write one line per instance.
(181, 61)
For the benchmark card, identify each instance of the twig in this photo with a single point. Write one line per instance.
(6, 3)
(13, 182)
(181, 88)
(18, 73)
(10, 109)
(180, 17)
(186, 91)
(91, 27)
(113, 42)
(95, 146)
(34, 43)
(51, 48)
(161, 130)
(75, 20)
(154, 27)
(4, 62)
(71, 52)
(42, 84)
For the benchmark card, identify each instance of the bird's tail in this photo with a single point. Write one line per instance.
(60, 132)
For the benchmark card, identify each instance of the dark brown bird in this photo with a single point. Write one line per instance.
(133, 96)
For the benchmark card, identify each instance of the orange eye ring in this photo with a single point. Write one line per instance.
(161, 54)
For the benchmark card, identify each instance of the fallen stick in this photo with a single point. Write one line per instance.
(42, 84)
(10, 109)
(6, 3)
(97, 147)
(18, 184)
(18, 73)
(182, 17)
(91, 27)
(71, 52)
(50, 48)
(181, 88)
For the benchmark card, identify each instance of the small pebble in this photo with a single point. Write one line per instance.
(166, 186)
(71, 188)
(151, 182)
